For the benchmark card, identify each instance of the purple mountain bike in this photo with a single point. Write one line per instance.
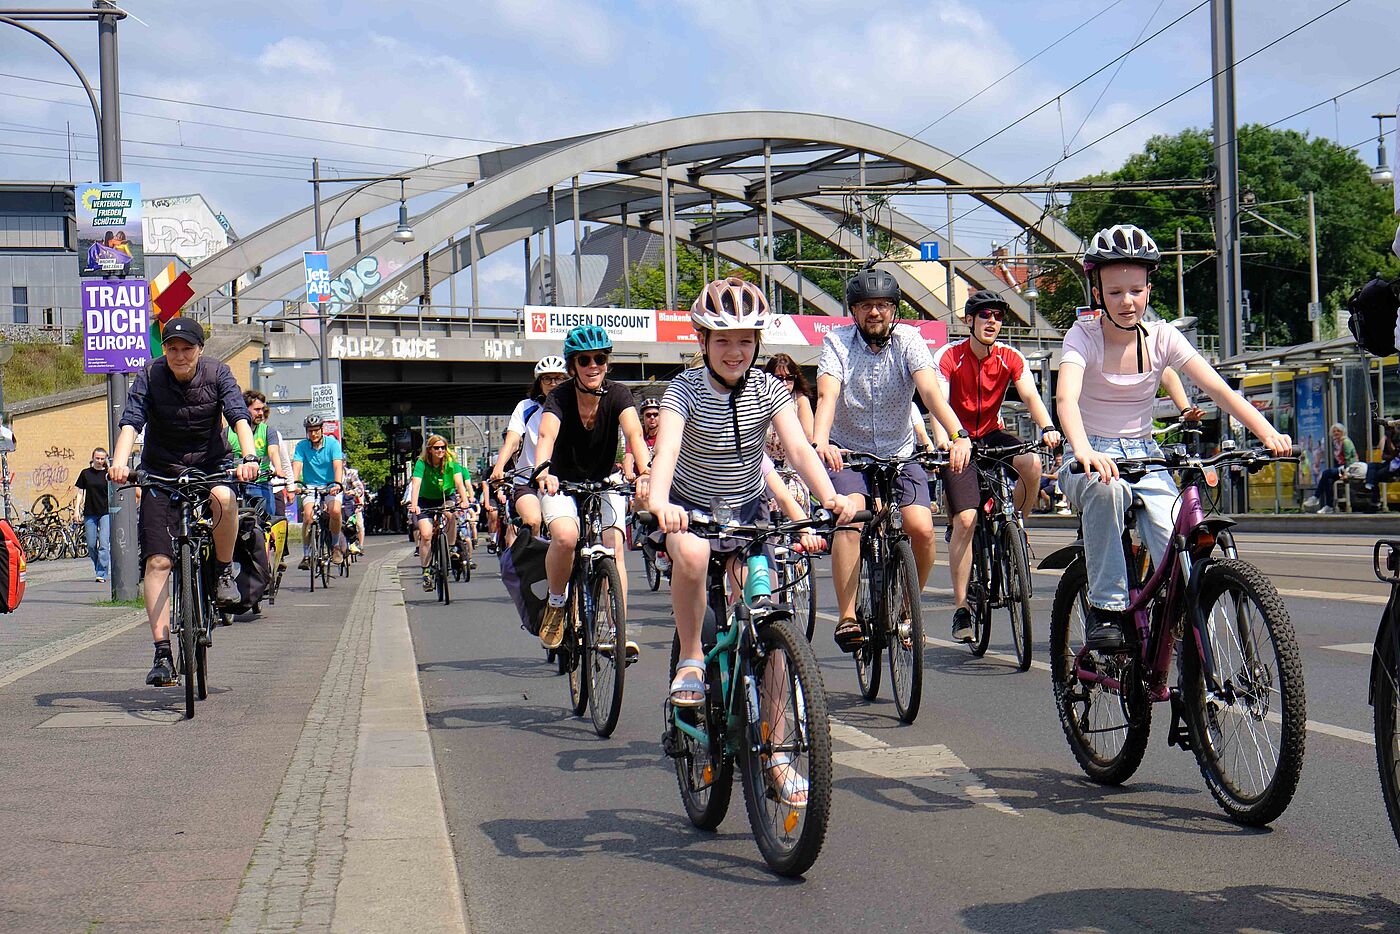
(1238, 703)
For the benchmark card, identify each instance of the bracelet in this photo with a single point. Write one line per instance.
(1047, 429)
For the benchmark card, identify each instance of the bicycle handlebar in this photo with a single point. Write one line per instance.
(1252, 459)
(706, 526)
(860, 460)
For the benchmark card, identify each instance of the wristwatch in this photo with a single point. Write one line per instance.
(960, 434)
(250, 458)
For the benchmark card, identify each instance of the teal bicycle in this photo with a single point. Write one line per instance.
(765, 707)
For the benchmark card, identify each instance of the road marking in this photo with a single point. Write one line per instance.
(1356, 648)
(108, 717)
(43, 656)
(933, 767)
(1000, 656)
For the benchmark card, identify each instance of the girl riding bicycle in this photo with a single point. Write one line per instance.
(1110, 371)
(709, 451)
(521, 434)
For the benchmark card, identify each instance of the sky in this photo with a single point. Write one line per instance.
(423, 81)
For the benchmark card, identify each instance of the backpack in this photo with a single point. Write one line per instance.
(1373, 312)
(12, 569)
(522, 571)
(253, 572)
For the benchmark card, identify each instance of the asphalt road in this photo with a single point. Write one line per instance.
(975, 817)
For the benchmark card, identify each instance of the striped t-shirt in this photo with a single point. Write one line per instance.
(710, 465)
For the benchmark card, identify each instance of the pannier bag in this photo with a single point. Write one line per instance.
(522, 571)
(12, 569)
(252, 572)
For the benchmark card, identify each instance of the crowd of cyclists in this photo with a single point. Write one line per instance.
(735, 438)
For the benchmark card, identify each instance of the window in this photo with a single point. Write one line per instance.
(19, 301)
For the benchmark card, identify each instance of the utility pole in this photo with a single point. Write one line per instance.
(320, 245)
(1180, 278)
(1227, 176)
(1314, 302)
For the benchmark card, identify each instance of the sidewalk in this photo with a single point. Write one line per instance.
(307, 800)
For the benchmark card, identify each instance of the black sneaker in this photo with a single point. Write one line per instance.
(162, 672)
(427, 579)
(305, 563)
(1105, 630)
(226, 592)
(962, 624)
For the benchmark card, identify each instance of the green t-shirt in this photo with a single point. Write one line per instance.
(259, 445)
(436, 480)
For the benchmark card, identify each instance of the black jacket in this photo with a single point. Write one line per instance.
(182, 419)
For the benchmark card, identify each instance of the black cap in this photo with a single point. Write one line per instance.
(186, 329)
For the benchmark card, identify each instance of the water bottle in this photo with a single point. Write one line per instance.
(757, 583)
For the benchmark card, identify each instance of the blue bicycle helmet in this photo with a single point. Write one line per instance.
(584, 338)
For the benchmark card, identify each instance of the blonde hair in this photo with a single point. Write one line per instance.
(428, 442)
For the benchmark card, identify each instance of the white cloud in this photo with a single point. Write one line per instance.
(295, 54)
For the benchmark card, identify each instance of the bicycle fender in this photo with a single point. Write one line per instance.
(1210, 528)
(1061, 558)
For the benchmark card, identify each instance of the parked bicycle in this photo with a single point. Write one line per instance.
(1001, 572)
(1239, 703)
(887, 595)
(765, 705)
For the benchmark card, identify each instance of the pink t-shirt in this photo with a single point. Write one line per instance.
(1119, 405)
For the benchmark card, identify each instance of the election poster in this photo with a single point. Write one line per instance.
(109, 231)
(116, 325)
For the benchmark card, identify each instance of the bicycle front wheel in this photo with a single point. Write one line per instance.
(188, 619)
(787, 779)
(606, 649)
(571, 649)
(653, 572)
(1018, 591)
(1248, 727)
(1386, 701)
(442, 557)
(313, 550)
(979, 590)
(1107, 727)
(704, 771)
(868, 655)
(904, 632)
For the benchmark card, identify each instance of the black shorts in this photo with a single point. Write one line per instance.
(157, 524)
(963, 491)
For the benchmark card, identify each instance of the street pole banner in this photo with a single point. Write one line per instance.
(325, 402)
(116, 325)
(318, 275)
(109, 231)
(551, 323)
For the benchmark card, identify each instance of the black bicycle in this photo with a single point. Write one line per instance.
(318, 535)
(593, 653)
(439, 552)
(193, 613)
(1001, 570)
(887, 595)
(1384, 692)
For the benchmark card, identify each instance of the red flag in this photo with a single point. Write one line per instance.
(172, 298)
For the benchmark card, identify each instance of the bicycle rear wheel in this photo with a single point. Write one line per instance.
(979, 590)
(1386, 703)
(1018, 591)
(606, 647)
(1107, 729)
(804, 608)
(868, 655)
(792, 726)
(571, 649)
(904, 632)
(704, 772)
(1249, 733)
(188, 619)
(653, 572)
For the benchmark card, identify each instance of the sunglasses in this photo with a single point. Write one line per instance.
(438, 447)
(652, 414)
(988, 314)
(786, 377)
(597, 359)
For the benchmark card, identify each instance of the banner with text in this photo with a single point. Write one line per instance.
(551, 323)
(789, 330)
(116, 325)
(109, 231)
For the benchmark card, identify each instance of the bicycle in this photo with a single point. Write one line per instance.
(595, 628)
(1228, 618)
(1001, 571)
(888, 591)
(317, 533)
(765, 705)
(439, 554)
(1384, 690)
(793, 565)
(193, 613)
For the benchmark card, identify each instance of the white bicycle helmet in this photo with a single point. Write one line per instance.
(551, 364)
(1122, 243)
(730, 304)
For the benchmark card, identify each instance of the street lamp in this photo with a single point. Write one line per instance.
(403, 233)
(1381, 174)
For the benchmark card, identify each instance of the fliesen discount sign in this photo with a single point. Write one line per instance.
(550, 322)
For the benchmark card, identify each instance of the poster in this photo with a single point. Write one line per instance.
(549, 322)
(1312, 425)
(116, 325)
(109, 231)
(318, 275)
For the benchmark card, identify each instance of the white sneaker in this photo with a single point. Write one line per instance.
(1310, 502)
(1325, 511)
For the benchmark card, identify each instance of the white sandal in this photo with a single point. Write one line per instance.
(688, 684)
(793, 784)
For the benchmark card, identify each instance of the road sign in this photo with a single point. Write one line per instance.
(928, 250)
(325, 400)
(1314, 311)
(318, 275)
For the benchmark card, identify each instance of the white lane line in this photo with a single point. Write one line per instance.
(1000, 656)
(1365, 598)
(933, 767)
(1356, 648)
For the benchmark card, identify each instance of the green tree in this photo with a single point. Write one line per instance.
(693, 269)
(365, 449)
(1279, 167)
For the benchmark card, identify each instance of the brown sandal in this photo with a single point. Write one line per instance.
(849, 635)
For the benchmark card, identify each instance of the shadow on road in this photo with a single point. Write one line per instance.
(638, 754)
(653, 836)
(534, 667)
(1241, 908)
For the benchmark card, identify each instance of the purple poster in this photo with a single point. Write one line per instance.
(116, 325)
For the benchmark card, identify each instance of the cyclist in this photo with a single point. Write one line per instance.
(267, 444)
(319, 461)
(787, 372)
(866, 378)
(974, 374)
(1109, 374)
(710, 451)
(436, 476)
(522, 433)
(354, 511)
(578, 439)
(649, 410)
(177, 399)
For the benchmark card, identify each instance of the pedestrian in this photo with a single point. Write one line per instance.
(97, 523)
(1343, 457)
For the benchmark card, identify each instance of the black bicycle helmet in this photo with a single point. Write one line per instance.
(985, 298)
(871, 283)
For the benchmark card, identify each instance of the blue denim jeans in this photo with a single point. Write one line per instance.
(99, 542)
(1101, 507)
